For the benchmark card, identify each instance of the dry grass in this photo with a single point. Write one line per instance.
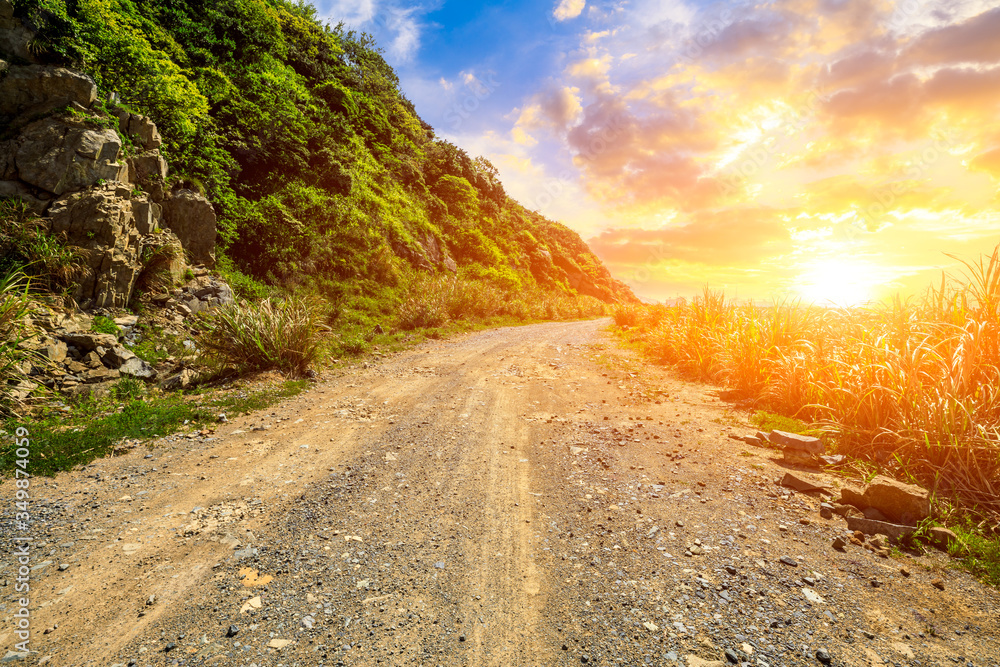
(913, 384)
(283, 334)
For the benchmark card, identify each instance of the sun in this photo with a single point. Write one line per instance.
(838, 282)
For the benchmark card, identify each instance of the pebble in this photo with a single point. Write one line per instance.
(823, 656)
(787, 560)
(233, 631)
(938, 584)
(840, 544)
(732, 656)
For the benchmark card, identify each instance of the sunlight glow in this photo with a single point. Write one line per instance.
(838, 282)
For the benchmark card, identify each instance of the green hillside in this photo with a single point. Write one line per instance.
(324, 178)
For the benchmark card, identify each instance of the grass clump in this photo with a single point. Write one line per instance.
(97, 427)
(282, 334)
(105, 325)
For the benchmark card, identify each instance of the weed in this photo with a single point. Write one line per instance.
(96, 427)
(105, 325)
(284, 335)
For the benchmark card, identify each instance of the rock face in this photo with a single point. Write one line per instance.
(37, 89)
(58, 157)
(14, 36)
(140, 128)
(192, 218)
(147, 168)
(101, 223)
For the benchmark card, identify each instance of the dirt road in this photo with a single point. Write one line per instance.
(521, 496)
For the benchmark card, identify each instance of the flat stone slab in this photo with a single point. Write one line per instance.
(803, 443)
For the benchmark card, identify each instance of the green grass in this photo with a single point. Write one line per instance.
(96, 427)
(105, 325)
(769, 421)
(977, 552)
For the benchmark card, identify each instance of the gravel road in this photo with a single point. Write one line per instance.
(520, 496)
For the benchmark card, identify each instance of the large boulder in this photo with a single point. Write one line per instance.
(38, 89)
(101, 224)
(17, 190)
(61, 157)
(191, 217)
(904, 503)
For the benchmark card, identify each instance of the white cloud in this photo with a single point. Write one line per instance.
(569, 9)
(389, 21)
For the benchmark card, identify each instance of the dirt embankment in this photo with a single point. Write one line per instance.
(521, 496)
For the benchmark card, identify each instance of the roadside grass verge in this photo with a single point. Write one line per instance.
(908, 388)
(96, 428)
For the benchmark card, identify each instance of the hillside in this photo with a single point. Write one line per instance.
(323, 178)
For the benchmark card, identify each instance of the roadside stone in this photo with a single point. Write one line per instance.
(89, 341)
(732, 656)
(788, 560)
(136, 367)
(938, 584)
(869, 527)
(942, 538)
(794, 441)
(824, 656)
(826, 511)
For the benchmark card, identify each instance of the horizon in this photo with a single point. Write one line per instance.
(832, 151)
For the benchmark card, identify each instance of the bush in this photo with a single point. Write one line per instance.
(269, 334)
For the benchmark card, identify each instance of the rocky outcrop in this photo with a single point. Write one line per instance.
(141, 129)
(101, 223)
(29, 90)
(60, 157)
(191, 216)
(147, 168)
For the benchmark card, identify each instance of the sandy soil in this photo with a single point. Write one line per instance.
(521, 496)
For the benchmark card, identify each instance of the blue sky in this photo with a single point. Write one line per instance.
(830, 149)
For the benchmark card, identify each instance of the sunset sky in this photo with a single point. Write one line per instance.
(829, 149)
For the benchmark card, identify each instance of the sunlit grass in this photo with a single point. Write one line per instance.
(913, 384)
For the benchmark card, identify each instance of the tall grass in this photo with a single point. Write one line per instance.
(14, 305)
(912, 384)
(434, 300)
(283, 334)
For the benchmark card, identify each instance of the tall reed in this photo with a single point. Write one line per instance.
(913, 384)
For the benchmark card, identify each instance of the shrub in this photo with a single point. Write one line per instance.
(283, 334)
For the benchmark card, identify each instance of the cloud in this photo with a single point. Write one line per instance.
(988, 162)
(400, 26)
(568, 9)
(737, 237)
(972, 41)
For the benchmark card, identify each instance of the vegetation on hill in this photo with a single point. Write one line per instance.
(325, 179)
